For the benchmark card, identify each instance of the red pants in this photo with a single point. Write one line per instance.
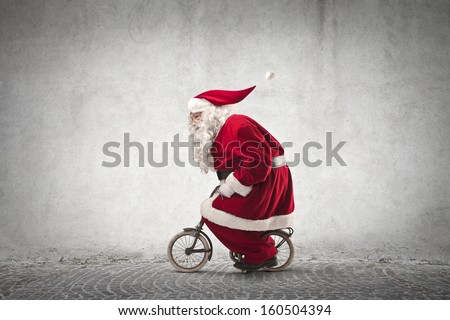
(249, 243)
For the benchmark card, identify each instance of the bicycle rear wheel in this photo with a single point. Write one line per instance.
(180, 257)
(285, 249)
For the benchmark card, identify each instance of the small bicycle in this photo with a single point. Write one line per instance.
(191, 249)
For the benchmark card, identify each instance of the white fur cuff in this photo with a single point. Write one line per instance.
(199, 105)
(238, 187)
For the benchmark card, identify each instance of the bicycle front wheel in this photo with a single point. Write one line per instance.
(180, 256)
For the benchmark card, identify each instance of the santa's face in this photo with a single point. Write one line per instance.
(196, 118)
(204, 126)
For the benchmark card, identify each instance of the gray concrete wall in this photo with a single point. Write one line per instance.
(77, 74)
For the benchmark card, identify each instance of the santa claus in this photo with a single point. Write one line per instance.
(256, 192)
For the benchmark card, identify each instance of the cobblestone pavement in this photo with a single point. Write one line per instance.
(219, 280)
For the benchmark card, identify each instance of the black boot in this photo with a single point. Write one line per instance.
(272, 262)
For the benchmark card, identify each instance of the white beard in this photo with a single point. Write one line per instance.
(206, 132)
(203, 140)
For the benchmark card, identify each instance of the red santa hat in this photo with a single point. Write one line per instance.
(217, 98)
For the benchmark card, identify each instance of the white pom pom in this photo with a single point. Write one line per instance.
(270, 75)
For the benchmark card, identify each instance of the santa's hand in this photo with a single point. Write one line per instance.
(225, 190)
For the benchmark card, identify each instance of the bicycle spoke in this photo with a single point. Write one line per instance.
(282, 247)
(188, 261)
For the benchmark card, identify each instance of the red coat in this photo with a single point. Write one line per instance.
(263, 198)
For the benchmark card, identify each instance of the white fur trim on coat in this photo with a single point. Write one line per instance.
(199, 105)
(238, 187)
(229, 220)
